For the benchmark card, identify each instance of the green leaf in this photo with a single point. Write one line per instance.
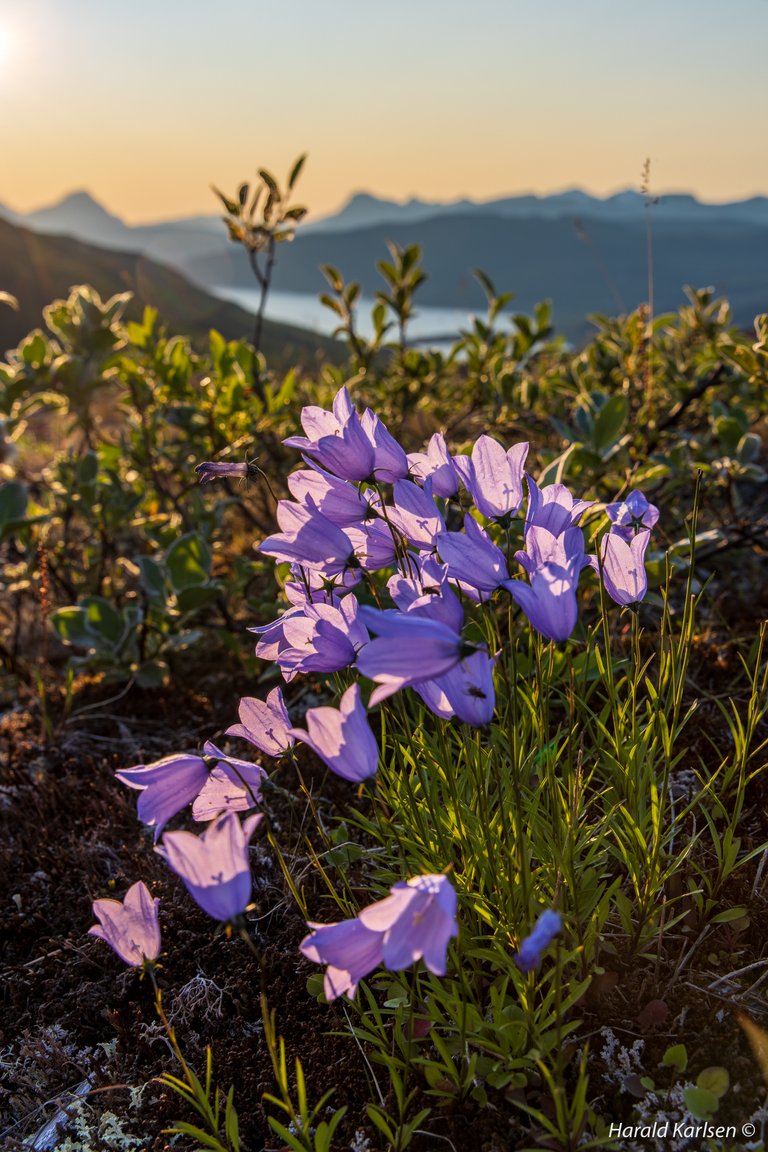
(749, 448)
(13, 501)
(102, 619)
(333, 276)
(231, 206)
(377, 1119)
(183, 1129)
(70, 626)
(188, 561)
(485, 282)
(87, 469)
(729, 915)
(296, 171)
(315, 987)
(196, 596)
(676, 1057)
(152, 578)
(609, 423)
(715, 1080)
(699, 1102)
(285, 1134)
(231, 1123)
(270, 182)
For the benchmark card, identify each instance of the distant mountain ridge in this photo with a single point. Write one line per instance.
(363, 209)
(80, 215)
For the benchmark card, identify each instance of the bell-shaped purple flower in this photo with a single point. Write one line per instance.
(417, 920)
(218, 470)
(373, 544)
(493, 477)
(264, 723)
(226, 790)
(342, 737)
(323, 638)
(544, 547)
(390, 460)
(631, 515)
(307, 586)
(132, 927)
(407, 648)
(553, 508)
(272, 639)
(623, 566)
(469, 689)
(214, 866)
(233, 785)
(338, 500)
(166, 786)
(472, 557)
(532, 947)
(336, 440)
(350, 950)
(437, 465)
(425, 591)
(308, 538)
(549, 601)
(416, 515)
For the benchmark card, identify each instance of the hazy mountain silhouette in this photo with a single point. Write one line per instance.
(37, 269)
(364, 210)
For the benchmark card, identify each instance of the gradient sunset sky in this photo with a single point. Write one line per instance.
(149, 102)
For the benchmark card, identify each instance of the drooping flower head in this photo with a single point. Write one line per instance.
(132, 927)
(532, 947)
(340, 501)
(415, 514)
(342, 737)
(233, 785)
(437, 465)
(221, 469)
(350, 950)
(214, 866)
(390, 461)
(408, 648)
(549, 601)
(166, 786)
(553, 507)
(472, 557)
(322, 638)
(417, 920)
(310, 539)
(264, 723)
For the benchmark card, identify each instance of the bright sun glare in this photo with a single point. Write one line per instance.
(6, 45)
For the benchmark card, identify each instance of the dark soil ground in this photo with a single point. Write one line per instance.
(77, 1029)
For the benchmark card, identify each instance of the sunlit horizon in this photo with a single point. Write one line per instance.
(146, 108)
(212, 207)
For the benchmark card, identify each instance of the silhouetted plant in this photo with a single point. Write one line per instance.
(260, 222)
